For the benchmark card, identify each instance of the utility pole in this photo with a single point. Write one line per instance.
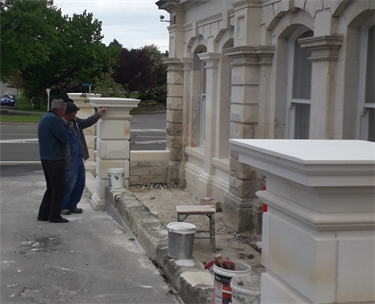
(48, 91)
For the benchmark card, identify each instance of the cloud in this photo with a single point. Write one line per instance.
(134, 23)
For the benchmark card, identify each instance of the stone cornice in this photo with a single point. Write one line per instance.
(171, 60)
(313, 163)
(262, 54)
(240, 4)
(168, 5)
(319, 221)
(324, 48)
(173, 64)
(118, 108)
(186, 61)
(211, 59)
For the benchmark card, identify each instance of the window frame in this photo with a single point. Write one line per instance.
(291, 109)
(363, 108)
(202, 104)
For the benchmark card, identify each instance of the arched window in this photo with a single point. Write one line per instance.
(299, 86)
(367, 81)
(198, 93)
(202, 104)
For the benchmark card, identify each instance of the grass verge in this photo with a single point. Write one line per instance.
(28, 118)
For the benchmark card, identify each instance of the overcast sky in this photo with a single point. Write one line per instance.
(133, 23)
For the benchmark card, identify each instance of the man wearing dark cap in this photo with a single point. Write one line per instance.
(77, 152)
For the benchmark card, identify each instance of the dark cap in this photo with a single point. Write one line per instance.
(71, 107)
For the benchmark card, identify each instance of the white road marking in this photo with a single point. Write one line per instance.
(35, 140)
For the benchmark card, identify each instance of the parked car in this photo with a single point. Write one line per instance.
(8, 99)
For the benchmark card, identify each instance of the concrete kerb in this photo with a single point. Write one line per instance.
(194, 284)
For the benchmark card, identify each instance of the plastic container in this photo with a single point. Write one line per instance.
(181, 240)
(222, 280)
(245, 289)
(116, 178)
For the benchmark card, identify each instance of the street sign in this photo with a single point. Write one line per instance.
(87, 84)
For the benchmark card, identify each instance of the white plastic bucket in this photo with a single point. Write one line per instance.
(222, 280)
(245, 289)
(116, 178)
(181, 240)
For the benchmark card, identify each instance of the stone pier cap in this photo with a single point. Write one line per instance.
(313, 163)
(118, 108)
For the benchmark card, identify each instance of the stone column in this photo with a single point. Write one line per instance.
(323, 112)
(242, 209)
(86, 110)
(175, 80)
(113, 147)
(266, 109)
(318, 234)
(186, 116)
(205, 178)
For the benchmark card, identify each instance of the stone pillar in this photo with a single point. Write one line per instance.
(174, 117)
(266, 109)
(318, 234)
(242, 209)
(323, 112)
(206, 177)
(86, 110)
(113, 147)
(186, 116)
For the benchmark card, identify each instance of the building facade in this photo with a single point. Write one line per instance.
(254, 69)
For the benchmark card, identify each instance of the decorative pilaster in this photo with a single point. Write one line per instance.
(240, 203)
(266, 125)
(212, 60)
(174, 117)
(113, 147)
(187, 113)
(324, 55)
(318, 234)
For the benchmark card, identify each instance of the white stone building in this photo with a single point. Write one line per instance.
(253, 69)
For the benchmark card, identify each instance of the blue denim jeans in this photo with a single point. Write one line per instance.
(75, 184)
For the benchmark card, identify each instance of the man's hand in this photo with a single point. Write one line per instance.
(102, 111)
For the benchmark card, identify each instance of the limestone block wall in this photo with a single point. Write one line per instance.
(231, 76)
(148, 167)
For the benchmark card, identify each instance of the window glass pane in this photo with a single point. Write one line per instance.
(371, 124)
(202, 104)
(202, 116)
(302, 121)
(370, 79)
(301, 70)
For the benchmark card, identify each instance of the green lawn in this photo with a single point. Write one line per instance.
(29, 118)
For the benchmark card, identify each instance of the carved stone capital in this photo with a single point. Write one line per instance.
(324, 48)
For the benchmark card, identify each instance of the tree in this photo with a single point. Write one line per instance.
(28, 34)
(78, 56)
(115, 43)
(133, 70)
(158, 70)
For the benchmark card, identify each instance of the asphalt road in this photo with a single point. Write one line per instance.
(89, 260)
(18, 142)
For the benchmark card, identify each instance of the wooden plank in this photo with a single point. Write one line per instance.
(202, 209)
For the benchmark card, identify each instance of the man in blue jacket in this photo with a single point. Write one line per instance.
(76, 153)
(52, 146)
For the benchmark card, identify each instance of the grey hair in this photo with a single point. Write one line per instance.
(58, 104)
